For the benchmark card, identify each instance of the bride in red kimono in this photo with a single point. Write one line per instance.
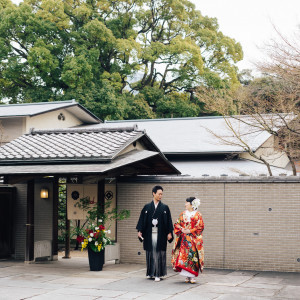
(188, 252)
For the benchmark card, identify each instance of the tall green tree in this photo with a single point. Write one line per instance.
(109, 54)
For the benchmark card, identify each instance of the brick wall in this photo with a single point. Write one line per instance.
(249, 224)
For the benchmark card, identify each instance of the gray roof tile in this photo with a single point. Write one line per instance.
(194, 135)
(30, 109)
(69, 144)
(160, 166)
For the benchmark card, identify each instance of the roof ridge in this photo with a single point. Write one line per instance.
(189, 118)
(162, 119)
(39, 103)
(84, 130)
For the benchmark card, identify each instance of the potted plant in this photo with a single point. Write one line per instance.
(93, 234)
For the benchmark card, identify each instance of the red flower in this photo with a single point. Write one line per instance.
(96, 235)
(101, 227)
(89, 231)
(80, 239)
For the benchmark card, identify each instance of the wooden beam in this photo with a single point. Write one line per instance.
(13, 179)
(90, 179)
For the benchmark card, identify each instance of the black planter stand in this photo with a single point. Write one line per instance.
(96, 259)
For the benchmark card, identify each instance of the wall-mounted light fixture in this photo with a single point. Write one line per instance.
(44, 193)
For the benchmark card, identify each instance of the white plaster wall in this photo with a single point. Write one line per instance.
(266, 151)
(130, 147)
(91, 190)
(50, 120)
(84, 190)
(12, 128)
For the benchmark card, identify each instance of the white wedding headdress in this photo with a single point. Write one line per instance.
(195, 203)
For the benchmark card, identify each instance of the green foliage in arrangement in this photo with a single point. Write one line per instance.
(93, 233)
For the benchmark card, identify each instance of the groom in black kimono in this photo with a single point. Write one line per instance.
(155, 228)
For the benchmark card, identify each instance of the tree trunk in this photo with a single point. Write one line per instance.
(293, 165)
(268, 166)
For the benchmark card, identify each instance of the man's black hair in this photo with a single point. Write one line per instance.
(156, 188)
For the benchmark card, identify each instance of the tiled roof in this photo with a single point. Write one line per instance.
(135, 162)
(33, 109)
(197, 135)
(84, 168)
(190, 135)
(30, 109)
(69, 144)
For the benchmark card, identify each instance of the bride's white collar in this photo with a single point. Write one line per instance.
(190, 214)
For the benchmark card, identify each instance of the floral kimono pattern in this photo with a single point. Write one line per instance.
(188, 252)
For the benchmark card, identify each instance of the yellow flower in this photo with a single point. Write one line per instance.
(84, 245)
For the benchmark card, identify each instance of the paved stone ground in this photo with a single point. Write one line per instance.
(71, 279)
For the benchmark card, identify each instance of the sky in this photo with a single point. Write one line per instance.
(250, 22)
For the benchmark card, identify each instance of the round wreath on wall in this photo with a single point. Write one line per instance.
(75, 195)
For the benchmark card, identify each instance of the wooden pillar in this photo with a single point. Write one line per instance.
(29, 249)
(67, 236)
(77, 243)
(55, 219)
(67, 243)
(101, 194)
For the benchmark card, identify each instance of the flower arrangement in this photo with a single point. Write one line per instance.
(93, 233)
(94, 236)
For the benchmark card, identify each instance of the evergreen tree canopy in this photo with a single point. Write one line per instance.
(114, 55)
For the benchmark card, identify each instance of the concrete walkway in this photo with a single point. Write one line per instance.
(71, 279)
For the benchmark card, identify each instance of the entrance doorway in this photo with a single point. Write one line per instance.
(6, 221)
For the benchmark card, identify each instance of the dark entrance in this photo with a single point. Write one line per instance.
(6, 221)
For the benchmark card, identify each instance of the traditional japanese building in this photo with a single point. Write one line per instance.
(122, 160)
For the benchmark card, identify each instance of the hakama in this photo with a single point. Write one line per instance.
(155, 236)
(156, 259)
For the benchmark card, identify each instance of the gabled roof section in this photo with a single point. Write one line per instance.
(34, 109)
(67, 145)
(191, 136)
